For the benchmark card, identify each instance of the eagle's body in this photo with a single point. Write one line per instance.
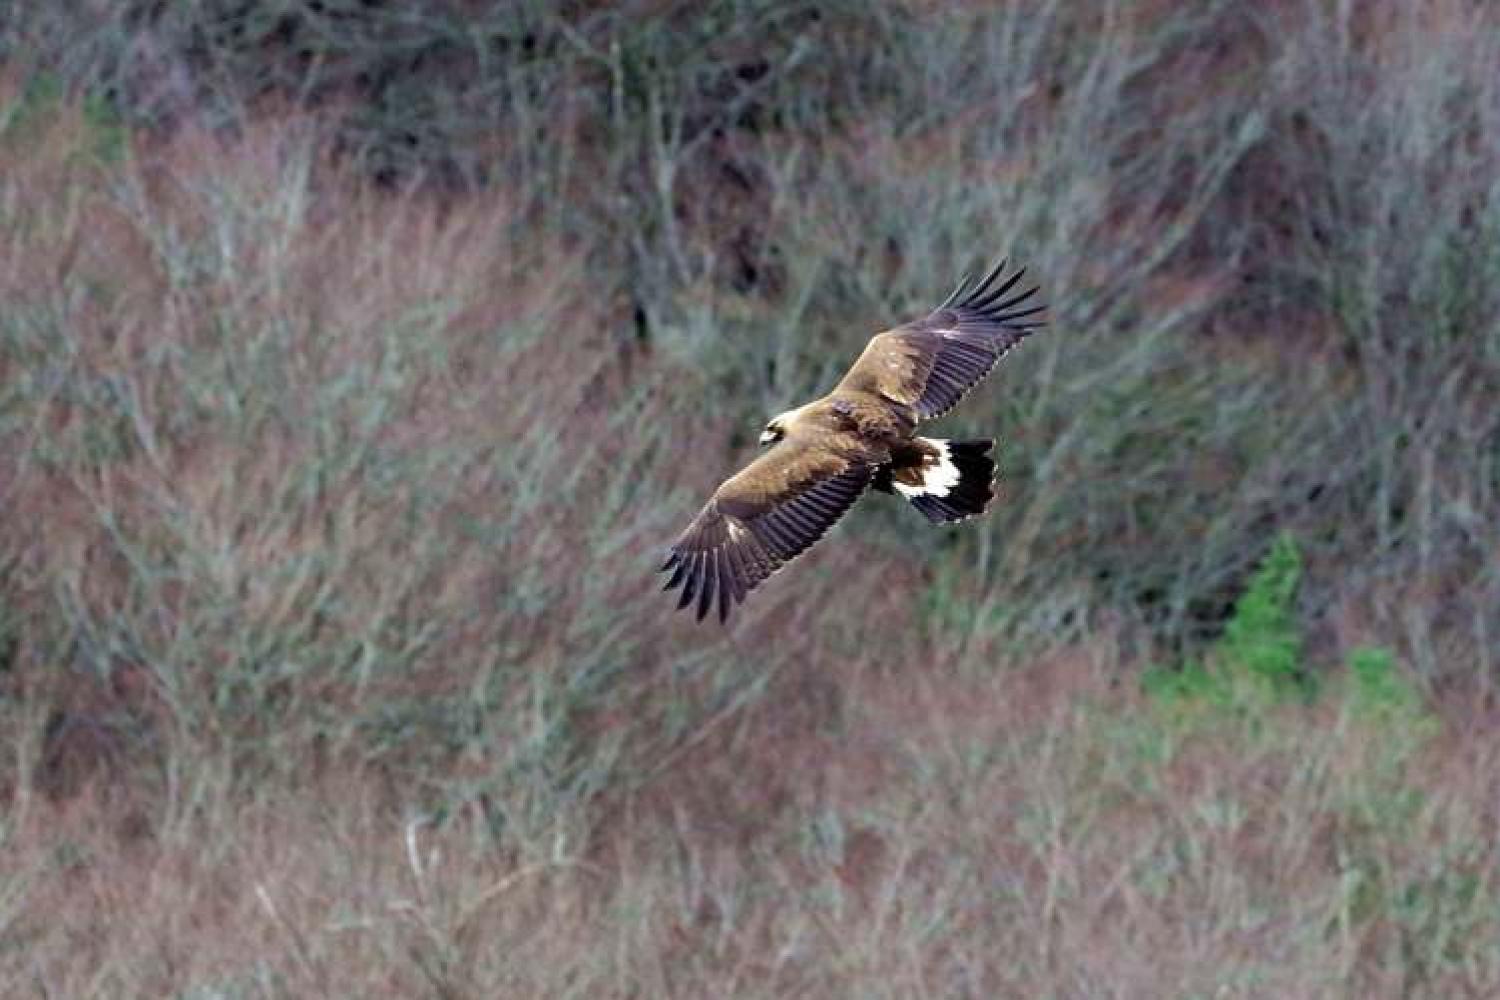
(826, 453)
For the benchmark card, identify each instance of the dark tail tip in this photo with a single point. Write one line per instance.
(975, 488)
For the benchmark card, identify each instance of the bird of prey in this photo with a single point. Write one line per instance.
(823, 455)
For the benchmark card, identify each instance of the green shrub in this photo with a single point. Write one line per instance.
(1377, 689)
(1263, 639)
(1259, 661)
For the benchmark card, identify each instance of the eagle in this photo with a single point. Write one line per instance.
(823, 455)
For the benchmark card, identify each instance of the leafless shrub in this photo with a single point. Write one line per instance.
(353, 368)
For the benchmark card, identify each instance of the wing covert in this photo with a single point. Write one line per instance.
(932, 363)
(760, 519)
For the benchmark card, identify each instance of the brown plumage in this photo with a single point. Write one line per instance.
(826, 453)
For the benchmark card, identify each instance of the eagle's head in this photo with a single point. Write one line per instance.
(775, 431)
(779, 425)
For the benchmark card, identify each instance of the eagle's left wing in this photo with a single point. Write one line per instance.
(931, 363)
(759, 520)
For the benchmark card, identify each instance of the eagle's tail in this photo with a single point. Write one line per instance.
(959, 484)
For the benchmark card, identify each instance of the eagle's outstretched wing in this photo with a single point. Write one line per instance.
(931, 363)
(759, 520)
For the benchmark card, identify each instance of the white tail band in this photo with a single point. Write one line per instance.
(938, 479)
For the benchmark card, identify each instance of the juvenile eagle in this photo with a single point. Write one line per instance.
(826, 453)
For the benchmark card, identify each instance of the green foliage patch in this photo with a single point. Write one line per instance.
(1260, 663)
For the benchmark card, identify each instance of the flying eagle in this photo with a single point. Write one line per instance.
(826, 453)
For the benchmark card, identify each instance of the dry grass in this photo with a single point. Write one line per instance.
(1037, 832)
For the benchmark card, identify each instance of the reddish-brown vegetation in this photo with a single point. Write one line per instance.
(353, 373)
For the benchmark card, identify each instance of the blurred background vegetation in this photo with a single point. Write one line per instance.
(358, 359)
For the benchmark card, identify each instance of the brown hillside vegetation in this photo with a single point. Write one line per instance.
(358, 360)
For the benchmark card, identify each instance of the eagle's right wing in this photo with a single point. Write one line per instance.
(760, 519)
(931, 363)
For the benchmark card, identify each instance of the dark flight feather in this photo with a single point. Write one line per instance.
(734, 544)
